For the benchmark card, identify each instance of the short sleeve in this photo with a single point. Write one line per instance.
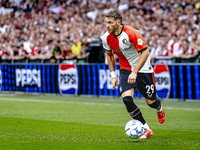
(105, 43)
(136, 39)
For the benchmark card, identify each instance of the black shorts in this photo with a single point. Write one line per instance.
(144, 82)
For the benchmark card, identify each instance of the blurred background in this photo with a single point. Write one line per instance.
(69, 31)
(34, 34)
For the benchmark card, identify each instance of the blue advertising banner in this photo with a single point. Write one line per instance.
(172, 81)
(0, 79)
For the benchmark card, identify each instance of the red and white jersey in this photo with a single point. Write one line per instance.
(159, 50)
(165, 52)
(169, 44)
(34, 50)
(176, 48)
(127, 45)
(192, 51)
(156, 51)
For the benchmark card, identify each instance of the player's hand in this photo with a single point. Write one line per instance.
(132, 78)
(114, 82)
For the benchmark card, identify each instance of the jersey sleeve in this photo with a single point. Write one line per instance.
(137, 40)
(105, 43)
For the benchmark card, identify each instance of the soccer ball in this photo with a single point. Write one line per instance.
(134, 129)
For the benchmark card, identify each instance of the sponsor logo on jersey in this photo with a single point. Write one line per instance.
(127, 48)
(28, 77)
(68, 79)
(0, 79)
(162, 80)
(140, 42)
(117, 51)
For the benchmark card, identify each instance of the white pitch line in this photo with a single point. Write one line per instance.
(169, 108)
(28, 100)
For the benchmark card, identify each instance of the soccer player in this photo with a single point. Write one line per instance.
(135, 67)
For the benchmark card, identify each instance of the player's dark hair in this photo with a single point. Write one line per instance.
(114, 14)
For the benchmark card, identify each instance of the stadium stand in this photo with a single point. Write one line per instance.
(40, 29)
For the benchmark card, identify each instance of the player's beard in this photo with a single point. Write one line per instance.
(114, 29)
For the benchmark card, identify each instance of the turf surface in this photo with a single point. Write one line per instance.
(57, 122)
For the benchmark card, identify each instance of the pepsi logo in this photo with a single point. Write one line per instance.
(68, 79)
(28, 77)
(162, 80)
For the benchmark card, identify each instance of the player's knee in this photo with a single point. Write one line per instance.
(128, 100)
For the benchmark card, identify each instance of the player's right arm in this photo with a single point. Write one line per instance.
(110, 59)
(111, 64)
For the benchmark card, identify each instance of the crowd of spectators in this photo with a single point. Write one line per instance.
(63, 30)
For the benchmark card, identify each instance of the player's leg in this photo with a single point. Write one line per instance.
(131, 107)
(127, 91)
(135, 112)
(156, 104)
(146, 86)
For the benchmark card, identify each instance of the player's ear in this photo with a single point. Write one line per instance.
(119, 22)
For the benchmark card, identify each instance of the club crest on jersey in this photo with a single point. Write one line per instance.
(124, 41)
(140, 42)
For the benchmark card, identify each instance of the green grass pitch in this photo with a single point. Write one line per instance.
(54, 122)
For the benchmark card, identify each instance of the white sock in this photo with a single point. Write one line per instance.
(146, 126)
(159, 110)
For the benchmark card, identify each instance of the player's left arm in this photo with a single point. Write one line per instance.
(138, 42)
(142, 59)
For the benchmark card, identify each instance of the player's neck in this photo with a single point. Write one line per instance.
(118, 31)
